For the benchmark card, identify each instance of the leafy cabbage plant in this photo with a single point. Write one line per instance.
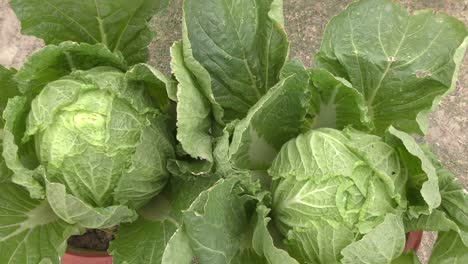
(323, 167)
(274, 162)
(86, 127)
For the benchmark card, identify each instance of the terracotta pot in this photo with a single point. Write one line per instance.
(77, 256)
(413, 240)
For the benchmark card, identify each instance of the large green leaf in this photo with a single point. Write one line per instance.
(8, 89)
(194, 116)
(242, 45)
(321, 243)
(263, 242)
(5, 173)
(222, 226)
(158, 86)
(30, 232)
(25, 169)
(454, 202)
(74, 211)
(400, 63)
(53, 62)
(449, 249)
(454, 199)
(422, 181)
(380, 246)
(157, 225)
(276, 118)
(216, 223)
(340, 104)
(120, 25)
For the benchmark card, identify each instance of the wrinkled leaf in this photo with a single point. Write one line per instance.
(53, 62)
(216, 223)
(8, 89)
(276, 118)
(193, 110)
(222, 226)
(25, 169)
(449, 248)
(321, 243)
(340, 104)
(242, 45)
(120, 25)
(400, 63)
(157, 84)
(422, 186)
(74, 211)
(30, 232)
(379, 246)
(178, 249)
(155, 229)
(263, 243)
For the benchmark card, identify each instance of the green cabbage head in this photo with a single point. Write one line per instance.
(94, 142)
(331, 187)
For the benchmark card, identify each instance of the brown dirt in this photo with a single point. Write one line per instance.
(93, 239)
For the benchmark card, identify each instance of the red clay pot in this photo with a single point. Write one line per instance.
(413, 241)
(76, 256)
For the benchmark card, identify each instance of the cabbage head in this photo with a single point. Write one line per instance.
(330, 188)
(94, 140)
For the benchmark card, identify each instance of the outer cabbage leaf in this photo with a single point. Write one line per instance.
(74, 211)
(276, 118)
(340, 104)
(454, 198)
(242, 45)
(25, 223)
(120, 25)
(8, 89)
(320, 243)
(402, 64)
(158, 85)
(436, 221)
(223, 165)
(25, 170)
(5, 173)
(194, 115)
(452, 214)
(216, 223)
(178, 249)
(449, 248)
(54, 62)
(221, 226)
(157, 224)
(422, 182)
(380, 246)
(263, 242)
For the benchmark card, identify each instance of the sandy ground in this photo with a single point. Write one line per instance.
(305, 22)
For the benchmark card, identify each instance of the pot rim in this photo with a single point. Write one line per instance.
(86, 253)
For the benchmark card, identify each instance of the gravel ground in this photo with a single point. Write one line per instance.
(305, 22)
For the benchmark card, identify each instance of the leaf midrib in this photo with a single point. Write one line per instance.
(72, 20)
